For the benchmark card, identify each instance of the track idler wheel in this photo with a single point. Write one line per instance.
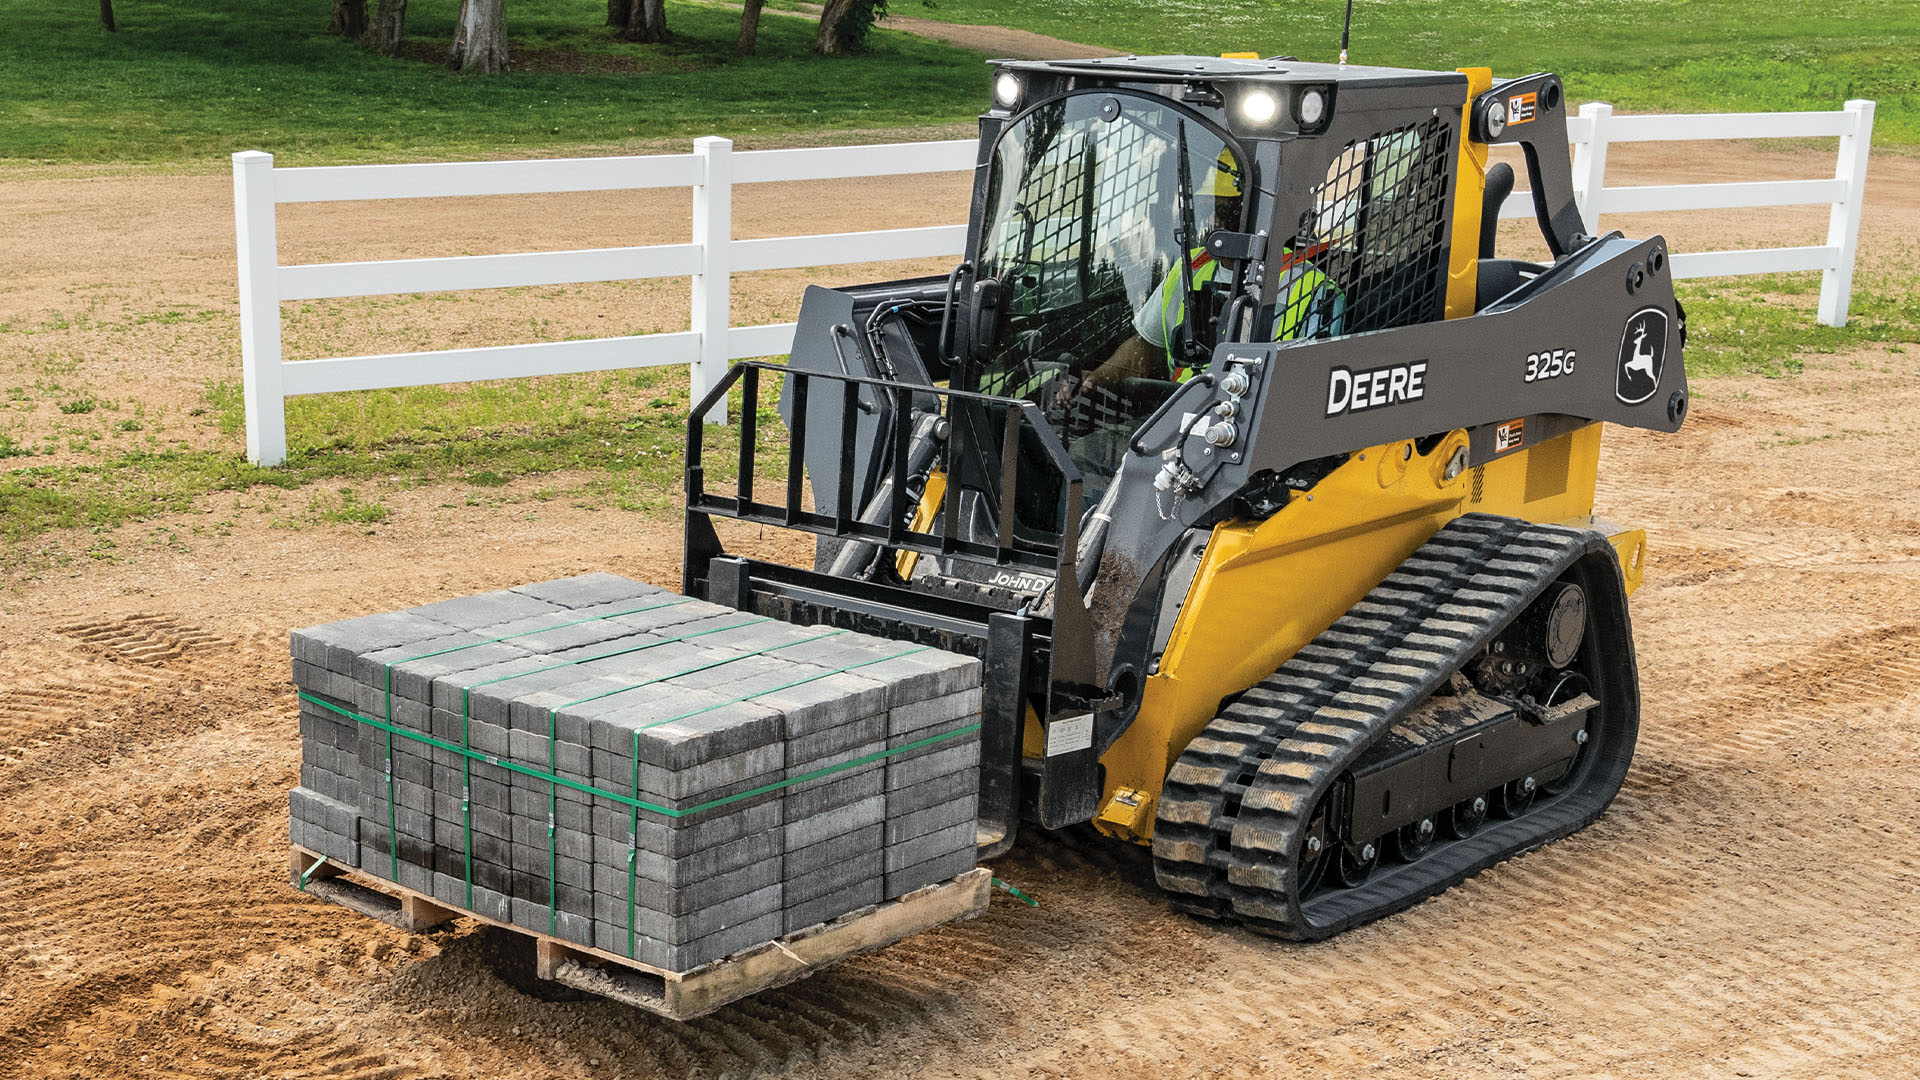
(1571, 685)
(1315, 854)
(1354, 864)
(1466, 817)
(1513, 799)
(1412, 841)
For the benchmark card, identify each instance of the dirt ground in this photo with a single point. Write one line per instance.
(1745, 909)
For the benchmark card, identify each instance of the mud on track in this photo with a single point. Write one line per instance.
(1746, 907)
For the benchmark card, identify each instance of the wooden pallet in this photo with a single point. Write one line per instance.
(677, 995)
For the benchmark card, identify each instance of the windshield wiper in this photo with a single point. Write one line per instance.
(1028, 230)
(1183, 236)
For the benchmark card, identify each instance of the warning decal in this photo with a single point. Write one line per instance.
(1509, 436)
(1521, 108)
(1071, 733)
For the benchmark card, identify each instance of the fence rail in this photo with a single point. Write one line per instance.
(1596, 128)
(710, 259)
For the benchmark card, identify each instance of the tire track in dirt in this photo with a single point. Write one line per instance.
(1864, 513)
(1577, 878)
(33, 722)
(927, 985)
(133, 858)
(1780, 701)
(144, 639)
(71, 729)
(909, 988)
(87, 691)
(236, 1017)
(1409, 978)
(42, 713)
(929, 989)
(1577, 883)
(113, 917)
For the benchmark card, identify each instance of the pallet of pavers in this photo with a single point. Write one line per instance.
(701, 795)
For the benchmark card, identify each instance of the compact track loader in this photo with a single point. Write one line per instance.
(1263, 486)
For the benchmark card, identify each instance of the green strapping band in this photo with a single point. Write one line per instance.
(553, 867)
(393, 824)
(466, 790)
(637, 805)
(553, 857)
(1013, 891)
(317, 864)
(466, 765)
(627, 800)
(553, 852)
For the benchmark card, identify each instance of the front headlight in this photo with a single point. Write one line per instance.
(1006, 90)
(1259, 107)
(1312, 107)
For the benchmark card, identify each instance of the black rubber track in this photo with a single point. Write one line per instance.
(1233, 815)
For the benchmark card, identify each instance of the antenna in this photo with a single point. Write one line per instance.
(1346, 29)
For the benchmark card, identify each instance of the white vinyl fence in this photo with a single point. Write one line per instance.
(712, 171)
(711, 257)
(1596, 128)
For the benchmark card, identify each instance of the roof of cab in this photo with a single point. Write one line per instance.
(1278, 69)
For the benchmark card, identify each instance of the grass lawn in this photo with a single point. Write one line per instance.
(1642, 55)
(1764, 325)
(612, 440)
(187, 80)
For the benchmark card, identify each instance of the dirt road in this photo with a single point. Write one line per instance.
(1745, 909)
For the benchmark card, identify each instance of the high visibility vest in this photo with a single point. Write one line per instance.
(1173, 304)
(1294, 312)
(1002, 385)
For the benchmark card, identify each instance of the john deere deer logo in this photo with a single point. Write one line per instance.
(1643, 352)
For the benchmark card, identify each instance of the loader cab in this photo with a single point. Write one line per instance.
(1132, 213)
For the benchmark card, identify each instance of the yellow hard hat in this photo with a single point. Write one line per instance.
(1223, 180)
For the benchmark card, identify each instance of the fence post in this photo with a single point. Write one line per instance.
(1590, 164)
(712, 286)
(1843, 224)
(259, 261)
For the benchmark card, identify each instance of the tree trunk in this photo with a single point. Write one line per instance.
(480, 37)
(349, 18)
(647, 22)
(618, 12)
(106, 15)
(829, 42)
(749, 27)
(389, 26)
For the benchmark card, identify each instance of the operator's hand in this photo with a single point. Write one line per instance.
(1070, 388)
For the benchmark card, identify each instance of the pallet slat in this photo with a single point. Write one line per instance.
(677, 995)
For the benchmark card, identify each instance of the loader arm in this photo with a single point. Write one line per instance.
(1531, 112)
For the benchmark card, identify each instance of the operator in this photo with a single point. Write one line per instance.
(1311, 305)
